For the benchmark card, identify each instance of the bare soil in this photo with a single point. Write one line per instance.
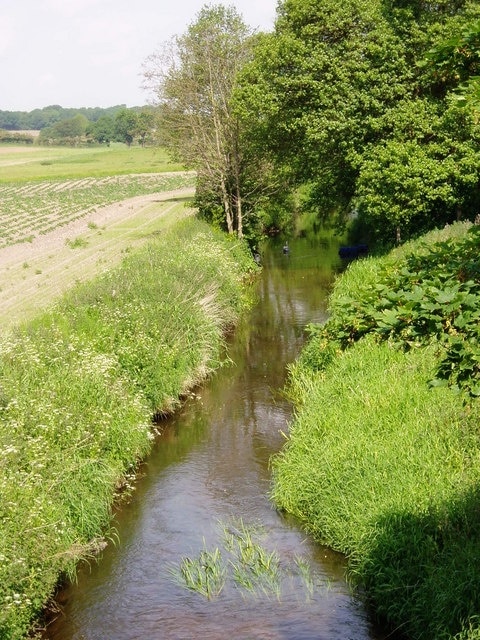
(34, 274)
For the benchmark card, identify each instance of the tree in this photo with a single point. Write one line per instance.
(326, 75)
(103, 130)
(455, 64)
(343, 104)
(194, 79)
(68, 131)
(125, 125)
(145, 126)
(424, 175)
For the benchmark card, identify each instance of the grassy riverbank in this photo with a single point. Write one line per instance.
(383, 458)
(79, 385)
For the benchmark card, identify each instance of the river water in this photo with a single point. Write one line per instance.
(210, 468)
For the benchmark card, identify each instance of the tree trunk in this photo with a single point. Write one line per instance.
(226, 206)
(239, 212)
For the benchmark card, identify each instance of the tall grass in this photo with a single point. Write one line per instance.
(78, 388)
(386, 468)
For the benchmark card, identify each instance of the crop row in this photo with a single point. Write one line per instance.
(35, 208)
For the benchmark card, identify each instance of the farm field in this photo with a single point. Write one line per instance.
(56, 231)
(20, 163)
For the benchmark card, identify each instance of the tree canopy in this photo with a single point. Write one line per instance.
(354, 98)
(364, 110)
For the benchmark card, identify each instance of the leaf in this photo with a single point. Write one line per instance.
(437, 382)
(446, 296)
(388, 318)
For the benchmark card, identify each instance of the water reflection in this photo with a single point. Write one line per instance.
(211, 463)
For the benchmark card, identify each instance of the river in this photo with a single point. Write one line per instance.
(208, 470)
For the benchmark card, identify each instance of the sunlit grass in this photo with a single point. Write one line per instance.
(79, 385)
(21, 164)
(384, 467)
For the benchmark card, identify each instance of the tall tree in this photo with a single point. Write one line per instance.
(145, 126)
(103, 130)
(325, 76)
(194, 79)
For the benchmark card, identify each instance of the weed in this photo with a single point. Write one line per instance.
(76, 243)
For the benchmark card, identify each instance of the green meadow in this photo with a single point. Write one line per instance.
(24, 163)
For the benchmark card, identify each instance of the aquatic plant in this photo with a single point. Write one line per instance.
(205, 574)
(243, 562)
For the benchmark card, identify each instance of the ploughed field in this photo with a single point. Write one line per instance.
(56, 230)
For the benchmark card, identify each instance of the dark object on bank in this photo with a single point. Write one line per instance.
(286, 249)
(353, 251)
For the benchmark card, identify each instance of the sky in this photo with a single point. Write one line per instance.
(90, 53)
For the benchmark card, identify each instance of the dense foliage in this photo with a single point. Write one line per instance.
(431, 295)
(354, 99)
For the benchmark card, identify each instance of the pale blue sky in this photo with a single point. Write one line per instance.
(89, 53)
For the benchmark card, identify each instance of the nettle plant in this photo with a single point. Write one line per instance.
(432, 295)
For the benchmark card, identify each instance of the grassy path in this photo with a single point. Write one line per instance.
(33, 274)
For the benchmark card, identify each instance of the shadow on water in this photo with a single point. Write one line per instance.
(211, 464)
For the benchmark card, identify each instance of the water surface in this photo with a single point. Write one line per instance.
(209, 466)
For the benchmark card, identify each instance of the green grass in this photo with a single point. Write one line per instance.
(22, 164)
(382, 465)
(79, 385)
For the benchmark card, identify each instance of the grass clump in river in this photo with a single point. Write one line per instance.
(383, 459)
(205, 575)
(242, 561)
(78, 388)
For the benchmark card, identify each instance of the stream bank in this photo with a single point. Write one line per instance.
(210, 466)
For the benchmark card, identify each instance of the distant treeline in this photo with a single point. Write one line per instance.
(81, 127)
(47, 116)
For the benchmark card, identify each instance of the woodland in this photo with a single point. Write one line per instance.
(365, 111)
